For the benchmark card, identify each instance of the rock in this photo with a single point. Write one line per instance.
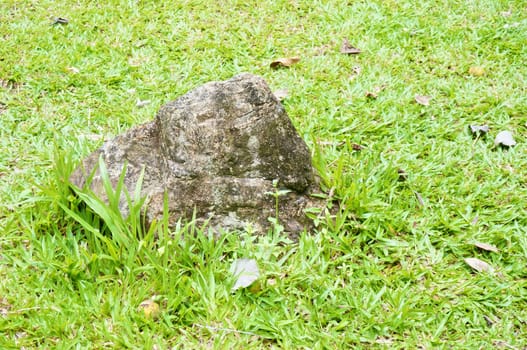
(216, 152)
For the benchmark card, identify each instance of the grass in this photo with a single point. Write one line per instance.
(387, 271)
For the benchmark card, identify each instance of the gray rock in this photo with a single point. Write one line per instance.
(218, 152)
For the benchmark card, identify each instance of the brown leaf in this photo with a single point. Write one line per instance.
(487, 247)
(372, 95)
(423, 100)
(478, 265)
(403, 176)
(349, 49)
(284, 62)
(375, 93)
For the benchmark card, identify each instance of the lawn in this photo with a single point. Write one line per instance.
(389, 133)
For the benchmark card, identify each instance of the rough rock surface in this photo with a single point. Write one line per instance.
(216, 152)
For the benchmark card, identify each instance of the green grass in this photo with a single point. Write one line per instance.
(385, 272)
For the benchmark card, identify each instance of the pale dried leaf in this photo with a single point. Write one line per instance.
(487, 247)
(284, 62)
(420, 199)
(60, 20)
(349, 49)
(504, 138)
(478, 265)
(142, 103)
(281, 94)
(73, 70)
(479, 130)
(423, 100)
(246, 271)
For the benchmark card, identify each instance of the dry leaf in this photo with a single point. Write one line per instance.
(489, 321)
(375, 93)
(284, 62)
(9, 84)
(142, 103)
(487, 247)
(73, 70)
(423, 100)
(372, 95)
(479, 130)
(505, 139)
(403, 176)
(349, 49)
(478, 265)
(419, 198)
(356, 70)
(356, 147)
(476, 71)
(246, 271)
(60, 20)
(281, 94)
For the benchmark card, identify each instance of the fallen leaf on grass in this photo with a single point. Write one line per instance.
(489, 321)
(375, 93)
(142, 103)
(479, 130)
(476, 71)
(281, 94)
(478, 265)
(487, 247)
(349, 49)
(423, 100)
(9, 84)
(73, 70)
(419, 199)
(403, 175)
(284, 62)
(356, 147)
(505, 139)
(60, 20)
(246, 271)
